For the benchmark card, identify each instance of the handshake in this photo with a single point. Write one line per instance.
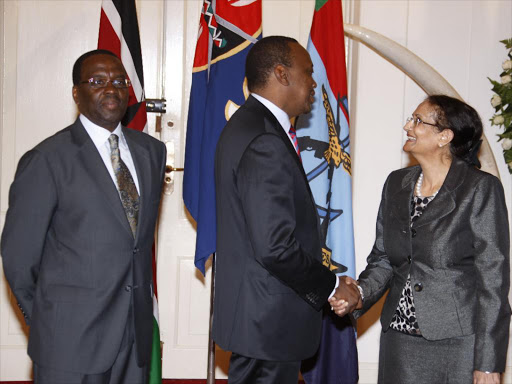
(347, 297)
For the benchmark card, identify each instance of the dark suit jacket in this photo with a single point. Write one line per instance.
(69, 254)
(270, 282)
(457, 254)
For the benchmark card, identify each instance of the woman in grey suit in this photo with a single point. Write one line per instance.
(442, 249)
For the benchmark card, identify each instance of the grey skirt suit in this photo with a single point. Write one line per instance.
(457, 255)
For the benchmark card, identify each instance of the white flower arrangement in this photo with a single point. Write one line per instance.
(506, 144)
(495, 101)
(498, 120)
(502, 104)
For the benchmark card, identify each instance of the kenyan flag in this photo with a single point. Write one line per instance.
(119, 33)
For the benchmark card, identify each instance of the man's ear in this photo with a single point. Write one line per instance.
(75, 94)
(281, 74)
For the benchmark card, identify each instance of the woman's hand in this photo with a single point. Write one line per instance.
(346, 298)
(480, 377)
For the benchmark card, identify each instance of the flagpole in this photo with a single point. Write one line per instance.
(218, 39)
(210, 376)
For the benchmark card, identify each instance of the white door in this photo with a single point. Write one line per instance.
(184, 294)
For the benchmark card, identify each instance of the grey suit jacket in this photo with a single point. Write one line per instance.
(69, 255)
(457, 255)
(270, 281)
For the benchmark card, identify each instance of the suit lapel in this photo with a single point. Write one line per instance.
(94, 165)
(276, 128)
(141, 161)
(402, 196)
(444, 202)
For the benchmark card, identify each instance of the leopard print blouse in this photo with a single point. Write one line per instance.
(404, 319)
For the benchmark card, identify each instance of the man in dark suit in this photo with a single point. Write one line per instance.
(270, 281)
(77, 240)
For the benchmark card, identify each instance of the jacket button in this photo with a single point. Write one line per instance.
(135, 250)
(413, 232)
(418, 287)
(409, 259)
(128, 288)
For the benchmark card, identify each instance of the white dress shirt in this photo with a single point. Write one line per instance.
(99, 137)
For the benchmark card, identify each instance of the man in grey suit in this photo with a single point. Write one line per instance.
(270, 281)
(78, 236)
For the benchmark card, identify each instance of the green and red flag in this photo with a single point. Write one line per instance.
(324, 143)
(119, 33)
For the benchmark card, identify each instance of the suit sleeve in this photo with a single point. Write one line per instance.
(32, 201)
(489, 222)
(375, 278)
(265, 184)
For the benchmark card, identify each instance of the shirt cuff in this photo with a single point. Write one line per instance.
(360, 292)
(335, 286)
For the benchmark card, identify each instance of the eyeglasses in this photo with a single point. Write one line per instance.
(416, 120)
(98, 82)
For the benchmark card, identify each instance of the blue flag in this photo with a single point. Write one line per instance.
(324, 143)
(226, 31)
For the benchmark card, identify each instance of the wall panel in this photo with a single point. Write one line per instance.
(377, 138)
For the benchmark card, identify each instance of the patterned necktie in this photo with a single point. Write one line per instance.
(293, 136)
(127, 188)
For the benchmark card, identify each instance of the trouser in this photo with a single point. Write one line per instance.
(245, 370)
(125, 369)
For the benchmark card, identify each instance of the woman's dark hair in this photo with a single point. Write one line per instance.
(465, 124)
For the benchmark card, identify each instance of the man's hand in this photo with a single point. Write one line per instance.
(346, 298)
(480, 377)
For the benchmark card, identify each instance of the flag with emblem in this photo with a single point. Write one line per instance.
(227, 29)
(119, 33)
(325, 149)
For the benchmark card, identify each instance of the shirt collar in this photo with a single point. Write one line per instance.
(100, 135)
(279, 114)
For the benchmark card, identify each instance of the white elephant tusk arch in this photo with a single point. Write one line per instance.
(419, 71)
